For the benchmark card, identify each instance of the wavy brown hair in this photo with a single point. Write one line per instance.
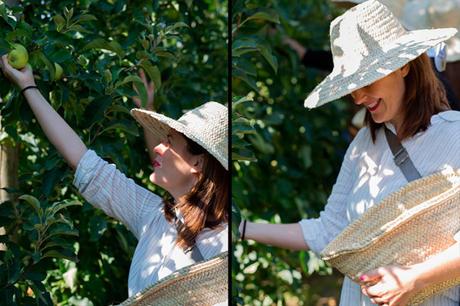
(424, 97)
(207, 203)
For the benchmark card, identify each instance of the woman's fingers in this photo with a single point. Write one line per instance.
(3, 63)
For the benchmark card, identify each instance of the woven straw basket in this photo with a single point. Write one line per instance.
(407, 227)
(204, 283)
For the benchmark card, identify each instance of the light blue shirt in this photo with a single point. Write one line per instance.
(156, 255)
(369, 174)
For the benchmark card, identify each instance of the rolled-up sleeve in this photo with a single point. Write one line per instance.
(105, 187)
(333, 219)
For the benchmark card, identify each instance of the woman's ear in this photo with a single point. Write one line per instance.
(405, 70)
(197, 165)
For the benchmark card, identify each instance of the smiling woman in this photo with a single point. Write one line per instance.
(384, 68)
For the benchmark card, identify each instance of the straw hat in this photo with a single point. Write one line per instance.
(407, 227)
(367, 44)
(201, 284)
(430, 14)
(207, 125)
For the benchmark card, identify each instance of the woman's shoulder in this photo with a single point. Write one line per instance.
(361, 141)
(212, 242)
(217, 236)
(449, 120)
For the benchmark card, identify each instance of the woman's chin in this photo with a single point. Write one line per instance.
(153, 178)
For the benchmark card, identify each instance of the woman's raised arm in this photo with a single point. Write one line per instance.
(59, 133)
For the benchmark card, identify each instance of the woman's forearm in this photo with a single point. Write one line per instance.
(288, 236)
(59, 133)
(439, 268)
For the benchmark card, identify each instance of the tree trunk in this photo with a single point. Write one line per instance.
(8, 161)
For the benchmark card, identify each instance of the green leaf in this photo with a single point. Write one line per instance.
(62, 253)
(40, 292)
(56, 207)
(271, 59)
(59, 21)
(175, 26)
(164, 53)
(57, 242)
(117, 108)
(32, 201)
(85, 18)
(238, 101)
(68, 13)
(266, 15)
(127, 126)
(49, 65)
(249, 80)
(100, 43)
(244, 156)
(139, 84)
(153, 72)
(78, 28)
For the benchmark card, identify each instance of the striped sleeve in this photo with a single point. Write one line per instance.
(333, 219)
(105, 187)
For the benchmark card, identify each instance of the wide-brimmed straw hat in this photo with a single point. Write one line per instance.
(409, 226)
(201, 284)
(207, 125)
(368, 43)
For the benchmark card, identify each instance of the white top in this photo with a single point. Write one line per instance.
(368, 174)
(156, 255)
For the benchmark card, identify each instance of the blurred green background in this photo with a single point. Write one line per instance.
(285, 157)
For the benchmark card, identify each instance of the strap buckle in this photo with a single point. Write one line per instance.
(401, 156)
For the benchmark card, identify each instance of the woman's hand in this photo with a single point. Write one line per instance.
(390, 285)
(150, 87)
(22, 78)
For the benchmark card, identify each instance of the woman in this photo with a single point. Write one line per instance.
(384, 68)
(191, 164)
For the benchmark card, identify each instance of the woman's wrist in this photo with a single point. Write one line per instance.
(421, 277)
(27, 84)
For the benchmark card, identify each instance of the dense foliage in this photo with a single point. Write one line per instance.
(61, 254)
(285, 158)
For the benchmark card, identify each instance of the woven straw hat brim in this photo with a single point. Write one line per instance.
(407, 227)
(159, 125)
(377, 66)
(201, 284)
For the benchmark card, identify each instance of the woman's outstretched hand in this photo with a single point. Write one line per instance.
(390, 285)
(150, 87)
(22, 78)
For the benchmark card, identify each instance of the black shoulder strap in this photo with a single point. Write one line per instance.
(401, 157)
(194, 251)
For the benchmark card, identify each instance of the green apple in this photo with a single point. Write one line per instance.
(58, 73)
(18, 56)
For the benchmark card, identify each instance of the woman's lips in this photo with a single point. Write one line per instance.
(373, 107)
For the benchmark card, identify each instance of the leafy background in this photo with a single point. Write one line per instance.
(77, 255)
(285, 157)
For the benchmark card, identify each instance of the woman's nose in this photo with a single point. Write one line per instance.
(159, 148)
(357, 96)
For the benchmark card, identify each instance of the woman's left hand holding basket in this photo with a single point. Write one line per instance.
(394, 285)
(391, 285)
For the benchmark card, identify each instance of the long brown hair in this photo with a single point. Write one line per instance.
(424, 97)
(206, 205)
